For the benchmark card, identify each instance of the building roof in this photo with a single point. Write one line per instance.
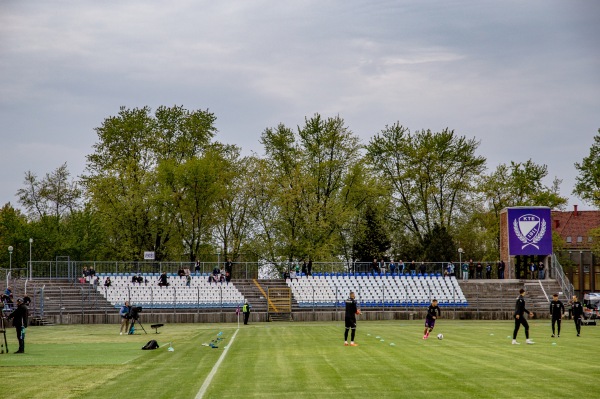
(574, 226)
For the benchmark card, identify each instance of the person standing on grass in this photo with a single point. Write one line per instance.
(351, 311)
(20, 317)
(577, 309)
(433, 312)
(556, 311)
(519, 317)
(246, 311)
(124, 313)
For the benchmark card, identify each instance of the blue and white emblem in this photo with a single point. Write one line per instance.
(529, 229)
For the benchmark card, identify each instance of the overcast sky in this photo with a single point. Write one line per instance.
(522, 77)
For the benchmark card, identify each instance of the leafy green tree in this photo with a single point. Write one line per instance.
(121, 179)
(309, 187)
(438, 245)
(587, 186)
(432, 176)
(372, 239)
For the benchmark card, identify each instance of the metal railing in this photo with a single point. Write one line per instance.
(560, 276)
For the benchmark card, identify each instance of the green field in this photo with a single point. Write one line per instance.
(306, 360)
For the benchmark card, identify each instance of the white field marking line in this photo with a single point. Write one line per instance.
(212, 373)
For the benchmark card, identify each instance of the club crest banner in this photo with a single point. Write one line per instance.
(530, 231)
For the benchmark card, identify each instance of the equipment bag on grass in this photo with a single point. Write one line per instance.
(152, 344)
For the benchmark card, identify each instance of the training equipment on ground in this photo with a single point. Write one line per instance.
(440, 336)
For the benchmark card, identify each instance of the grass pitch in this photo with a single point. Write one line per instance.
(306, 360)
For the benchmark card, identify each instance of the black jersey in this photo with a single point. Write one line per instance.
(351, 308)
(433, 311)
(557, 309)
(577, 309)
(520, 306)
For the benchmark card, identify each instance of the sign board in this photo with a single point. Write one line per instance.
(529, 231)
(149, 255)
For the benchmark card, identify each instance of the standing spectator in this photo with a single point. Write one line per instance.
(479, 270)
(392, 267)
(20, 318)
(382, 266)
(556, 311)
(400, 267)
(92, 271)
(471, 268)
(488, 271)
(450, 269)
(532, 271)
(501, 267)
(433, 312)
(85, 274)
(374, 267)
(519, 317)
(309, 266)
(350, 319)
(413, 268)
(228, 267)
(577, 309)
(197, 267)
(465, 271)
(304, 267)
(246, 310)
(422, 268)
(124, 313)
(541, 271)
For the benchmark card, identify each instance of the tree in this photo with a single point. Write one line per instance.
(432, 175)
(372, 239)
(121, 177)
(310, 188)
(587, 186)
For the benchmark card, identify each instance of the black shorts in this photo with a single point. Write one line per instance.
(350, 322)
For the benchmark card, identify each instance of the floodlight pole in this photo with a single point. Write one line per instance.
(10, 250)
(30, 265)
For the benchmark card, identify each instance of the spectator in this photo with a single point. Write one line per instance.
(382, 266)
(180, 272)
(532, 271)
(400, 267)
(309, 266)
(304, 267)
(465, 271)
(188, 280)
(488, 271)
(374, 267)
(92, 271)
(541, 271)
(107, 282)
(479, 270)
(413, 268)
(422, 268)
(197, 267)
(501, 267)
(163, 280)
(471, 268)
(392, 267)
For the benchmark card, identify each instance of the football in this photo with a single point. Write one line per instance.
(440, 336)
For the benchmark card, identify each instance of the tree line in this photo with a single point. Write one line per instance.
(160, 181)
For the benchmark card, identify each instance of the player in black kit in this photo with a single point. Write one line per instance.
(556, 311)
(433, 312)
(577, 309)
(351, 311)
(519, 316)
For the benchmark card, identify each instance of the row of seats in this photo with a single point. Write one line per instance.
(200, 293)
(378, 291)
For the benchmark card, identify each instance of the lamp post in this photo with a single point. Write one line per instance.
(460, 252)
(30, 265)
(10, 249)
(219, 257)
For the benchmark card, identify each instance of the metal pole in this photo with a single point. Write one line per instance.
(30, 265)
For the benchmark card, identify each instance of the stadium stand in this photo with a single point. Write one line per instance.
(331, 289)
(199, 294)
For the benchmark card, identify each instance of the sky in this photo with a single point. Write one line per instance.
(521, 77)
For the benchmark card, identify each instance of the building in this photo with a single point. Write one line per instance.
(580, 264)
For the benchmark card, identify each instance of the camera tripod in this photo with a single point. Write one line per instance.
(133, 322)
(4, 348)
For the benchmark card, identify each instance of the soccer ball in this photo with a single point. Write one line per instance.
(440, 336)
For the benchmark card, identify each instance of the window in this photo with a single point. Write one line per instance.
(569, 239)
(590, 239)
(579, 239)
